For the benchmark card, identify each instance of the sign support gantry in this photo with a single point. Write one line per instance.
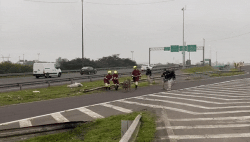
(154, 49)
(162, 48)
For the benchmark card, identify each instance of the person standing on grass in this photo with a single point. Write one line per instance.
(115, 80)
(106, 80)
(136, 75)
(148, 74)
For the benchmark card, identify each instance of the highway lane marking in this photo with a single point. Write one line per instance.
(203, 97)
(25, 123)
(213, 118)
(226, 90)
(213, 94)
(117, 108)
(211, 91)
(90, 112)
(59, 117)
(182, 110)
(208, 136)
(191, 105)
(204, 126)
(164, 119)
(209, 102)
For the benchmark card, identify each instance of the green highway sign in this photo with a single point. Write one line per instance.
(166, 48)
(191, 48)
(185, 48)
(175, 48)
(206, 59)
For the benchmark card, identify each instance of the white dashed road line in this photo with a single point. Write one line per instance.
(117, 108)
(90, 113)
(59, 117)
(25, 123)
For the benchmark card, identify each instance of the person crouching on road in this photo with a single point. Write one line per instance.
(166, 78)
(136, 75)
(106, 80)
(148, 74)
(115, 80)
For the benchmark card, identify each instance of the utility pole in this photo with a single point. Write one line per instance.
(183, 52)
(203, 51)
(149, 55)
(216, 58)
(38, 56)
(132, 54)
(23, 58)
(82, 36)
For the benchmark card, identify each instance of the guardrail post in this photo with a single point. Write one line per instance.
(90, 79)
(48, 83)
(20, 85)
(71, 80)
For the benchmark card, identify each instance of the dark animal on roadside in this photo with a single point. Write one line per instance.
(126, 84)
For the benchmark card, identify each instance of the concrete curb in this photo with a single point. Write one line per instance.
(131, 133)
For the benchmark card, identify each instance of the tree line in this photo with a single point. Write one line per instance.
(75, 64)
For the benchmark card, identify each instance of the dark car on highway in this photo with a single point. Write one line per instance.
(88, 70)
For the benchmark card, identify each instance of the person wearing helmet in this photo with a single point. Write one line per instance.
(136, 75)
(106, 80)
(115, 80)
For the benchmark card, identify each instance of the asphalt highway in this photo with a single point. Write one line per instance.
(189, 105)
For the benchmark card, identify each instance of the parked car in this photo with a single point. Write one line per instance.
(88, 70)
(46, 70)
(144, 67)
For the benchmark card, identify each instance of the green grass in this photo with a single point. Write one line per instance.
(104, 130)
(62, 91)
(198, 69)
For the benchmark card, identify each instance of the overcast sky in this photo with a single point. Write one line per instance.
(53, 29)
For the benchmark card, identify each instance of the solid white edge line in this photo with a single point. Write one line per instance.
(59, 117)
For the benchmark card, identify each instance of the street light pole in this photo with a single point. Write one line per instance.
(132, 54)
(183, 49)
(203, 51)
(82, 35)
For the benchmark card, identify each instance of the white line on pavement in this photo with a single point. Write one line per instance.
(59, 117)
(209, 102)
(204, 126)
(89, 112)
(182, 110)
(117, 108)
(25, 123)
(225, 90)
(237, 135)
(213, 118)
(211, 91)
(203, 97)
(213, 94)
(191, 105)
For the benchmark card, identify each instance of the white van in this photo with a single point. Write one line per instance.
(144, 67)
(46, 70)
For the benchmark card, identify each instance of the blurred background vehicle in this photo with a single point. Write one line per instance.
(88, 70)
(144, 67)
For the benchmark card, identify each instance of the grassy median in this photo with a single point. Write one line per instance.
(53, 92)
(104, 130)
(198, 69)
